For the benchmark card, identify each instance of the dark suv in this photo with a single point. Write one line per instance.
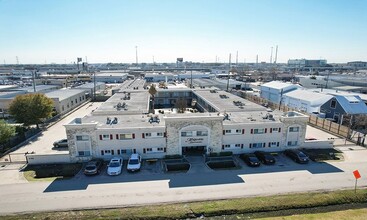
(265, 157)
(250, 159)
(296, 155)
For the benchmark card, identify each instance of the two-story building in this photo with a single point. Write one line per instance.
(212, 121)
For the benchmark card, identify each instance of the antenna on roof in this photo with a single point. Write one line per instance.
(276, 54)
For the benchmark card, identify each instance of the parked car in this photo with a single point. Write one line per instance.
(265, 157)
(296, 155)
(134, 163)
(250, 159)
(93, 167)
(61, 143)
(115, 166)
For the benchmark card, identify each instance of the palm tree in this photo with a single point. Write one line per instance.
(152, 91)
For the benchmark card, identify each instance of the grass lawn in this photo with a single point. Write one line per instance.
(351, 214)
(50, 172)
(288, 205)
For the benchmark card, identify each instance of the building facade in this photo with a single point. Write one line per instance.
(212, 122)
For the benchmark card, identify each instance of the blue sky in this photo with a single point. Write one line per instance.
(39, 31)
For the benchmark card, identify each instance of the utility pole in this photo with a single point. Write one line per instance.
(237, 58)
(33, 79)
(271, 55)
(276, 54)
(229, 70)
(17, 59)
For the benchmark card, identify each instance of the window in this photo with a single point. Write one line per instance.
(259, 131)
(256, 145)
(68, 105)
(72, 103)
(62, 108)
(273, 144)
(186, 134)
(237, 145)
(83, 153)
(275, 129)
(82, 138)
(126, 136)
(105, 137)
(201, 133)
(292, 143)
(160, 149)
(333, 104)
(227, 145)
(160, 134)
(238, 131)
(228, 131)
(294, 129)
(149, 149)
(80, 98)
(148, 134)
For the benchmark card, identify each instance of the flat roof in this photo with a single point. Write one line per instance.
(279, 85)
(39, 88)
(224, 101)
(10, 94)
(137, 104)
(111, 74)
(63, 94)
(89, 85)
(133, 112)
(6, 87)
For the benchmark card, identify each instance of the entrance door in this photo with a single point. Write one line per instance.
(194, 151)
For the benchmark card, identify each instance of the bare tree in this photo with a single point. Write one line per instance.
(152, 91)
(181, 105)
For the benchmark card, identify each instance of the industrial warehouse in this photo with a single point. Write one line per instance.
(179, 121)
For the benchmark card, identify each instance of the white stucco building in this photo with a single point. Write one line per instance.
(273, 91)
(214, 121)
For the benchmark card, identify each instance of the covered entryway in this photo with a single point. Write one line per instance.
(193, 150)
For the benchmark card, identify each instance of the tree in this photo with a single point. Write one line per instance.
(181, 105)
(6, 131)
(31, 109)
(152, 91)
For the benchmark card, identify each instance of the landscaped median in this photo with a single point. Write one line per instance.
(266, 206)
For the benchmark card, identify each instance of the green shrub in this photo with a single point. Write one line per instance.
(174, 156)
(226, 153)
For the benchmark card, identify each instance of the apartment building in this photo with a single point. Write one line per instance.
(184, 120)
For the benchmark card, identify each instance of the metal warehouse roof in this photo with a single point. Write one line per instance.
(279, 85)
(352, 104)
(63, 94)
(315, 98)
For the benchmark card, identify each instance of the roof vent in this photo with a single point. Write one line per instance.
(226, 117)
(115, 120)
(154, 119)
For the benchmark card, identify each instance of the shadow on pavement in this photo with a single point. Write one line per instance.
(177, 180)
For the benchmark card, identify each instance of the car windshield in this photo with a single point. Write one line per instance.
(114, 164)
(133, 161)
(302, 155)
(252, 159)
(268, 156)
(91, 167)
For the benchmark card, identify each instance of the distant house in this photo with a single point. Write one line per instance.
(273, 91)
(340, 105)
(306, 101)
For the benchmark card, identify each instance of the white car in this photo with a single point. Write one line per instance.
(115, 166)
(134, 163)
